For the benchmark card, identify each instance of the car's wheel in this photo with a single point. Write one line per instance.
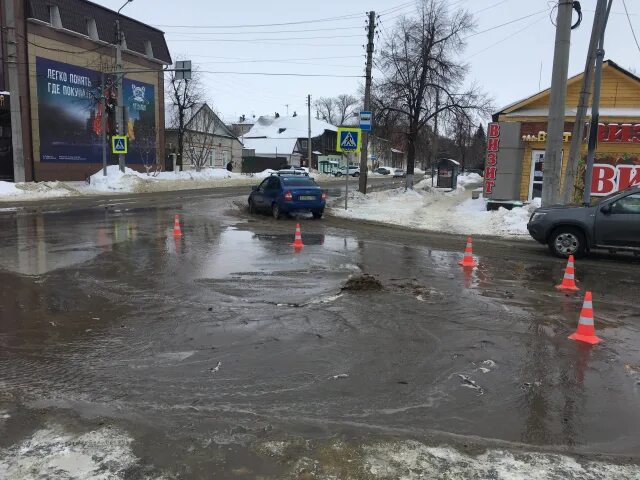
(565, 241)
(338, 174)
(356, 174)
(252, 207)
(275, 211)
(317, 215)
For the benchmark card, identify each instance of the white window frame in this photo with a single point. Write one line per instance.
(225, 158)
(532, 180)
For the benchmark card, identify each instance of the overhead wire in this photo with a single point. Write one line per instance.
(624, 4)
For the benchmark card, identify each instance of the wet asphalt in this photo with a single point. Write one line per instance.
(205, 347)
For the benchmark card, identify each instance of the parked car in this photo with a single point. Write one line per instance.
(399, 173)
(294, 171)
(285, 194)
(353, 171)
(612, 224)
(382, 171)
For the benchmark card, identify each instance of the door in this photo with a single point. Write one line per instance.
(537, 173)
(270, 192)
(620, 226)
(258, 196)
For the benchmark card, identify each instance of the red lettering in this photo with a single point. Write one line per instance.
(603, 181)
(625, 134)
(492, 158)
(602, 132)
(636, 133)
(493, 144)
(488, 185)
(614, 132)
(628, 175)
(490, 173)
(494, 130)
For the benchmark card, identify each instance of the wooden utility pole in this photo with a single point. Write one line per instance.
(555, 127)
(14, 91)
(367, 103)
(581, 112)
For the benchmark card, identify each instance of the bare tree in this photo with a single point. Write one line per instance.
(336, 110)
(420, 59)
(199, 136)
(460, 126)
(146, 142)
(183, 96)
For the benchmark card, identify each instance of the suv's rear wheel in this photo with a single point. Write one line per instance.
(565, 241)
(275, 211)
(338, 174)
(356, 174)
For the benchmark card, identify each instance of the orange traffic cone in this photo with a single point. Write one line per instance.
(297, 242)
(468, 260)
(176, 226)
(586, 331)
(569, 281)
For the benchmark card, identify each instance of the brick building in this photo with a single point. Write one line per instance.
(63, 49)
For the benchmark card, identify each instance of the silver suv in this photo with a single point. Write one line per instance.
(612, 224)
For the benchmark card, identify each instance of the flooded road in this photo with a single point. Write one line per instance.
(128, 353)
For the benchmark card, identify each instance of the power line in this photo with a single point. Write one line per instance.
(261, 39)
(302, 22)
(269, 32)
(284, 74)
(624, 4)
(506, 38)
(506, 23)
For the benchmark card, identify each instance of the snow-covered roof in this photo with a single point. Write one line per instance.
(287, 127)
(271, 146)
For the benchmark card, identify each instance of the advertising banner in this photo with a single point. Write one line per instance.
(69, 112)
(612, 173)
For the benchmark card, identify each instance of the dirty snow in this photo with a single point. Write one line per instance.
(411, 460)
(428, 208)
(53, 452)
(24, 190)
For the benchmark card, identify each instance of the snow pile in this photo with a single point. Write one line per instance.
(54, 453)
(35, 190)
(409, 460)
(469, 179)
(428, 208)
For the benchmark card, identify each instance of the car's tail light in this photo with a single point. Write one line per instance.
(324, 196)
(288, 196)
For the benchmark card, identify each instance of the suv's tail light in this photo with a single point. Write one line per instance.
(324, 196)
(288, 196)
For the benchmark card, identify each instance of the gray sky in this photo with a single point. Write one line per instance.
(504, 61)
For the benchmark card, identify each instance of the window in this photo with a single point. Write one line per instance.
(627, 205)
(272, 184)
(212, 158)
(299, 182)
(225, 158)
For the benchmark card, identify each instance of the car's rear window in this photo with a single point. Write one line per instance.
(299, 182)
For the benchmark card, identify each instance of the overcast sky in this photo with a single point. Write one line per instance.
(505, 61)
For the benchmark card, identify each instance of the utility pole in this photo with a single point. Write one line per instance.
(367, 103)
(120, 77)
(599, 24)
(309, 150)
(103, 123)
(434, 150)
(555, 127)
(595, 112)
(14, 91)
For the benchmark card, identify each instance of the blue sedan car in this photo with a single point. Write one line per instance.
(284, 194)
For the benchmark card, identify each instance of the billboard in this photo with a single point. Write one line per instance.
(69, 115)
(614, 172)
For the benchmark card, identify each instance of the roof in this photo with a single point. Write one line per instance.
(287, 127)
(74, 15)
(221, 129)
(571, 111)
(271, 146)
(525, 101)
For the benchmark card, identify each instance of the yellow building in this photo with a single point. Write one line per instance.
(517, 138)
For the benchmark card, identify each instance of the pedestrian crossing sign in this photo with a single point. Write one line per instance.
(119, 144)
(349, 140)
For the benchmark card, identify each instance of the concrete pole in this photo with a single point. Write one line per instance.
(595, 112)
(555, 127)
(103, 123)
(583, 103)
(120, 77)
(367, 104)
(14, 91)
(309, 149)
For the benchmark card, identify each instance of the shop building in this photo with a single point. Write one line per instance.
(516, 140)
(63, 49)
